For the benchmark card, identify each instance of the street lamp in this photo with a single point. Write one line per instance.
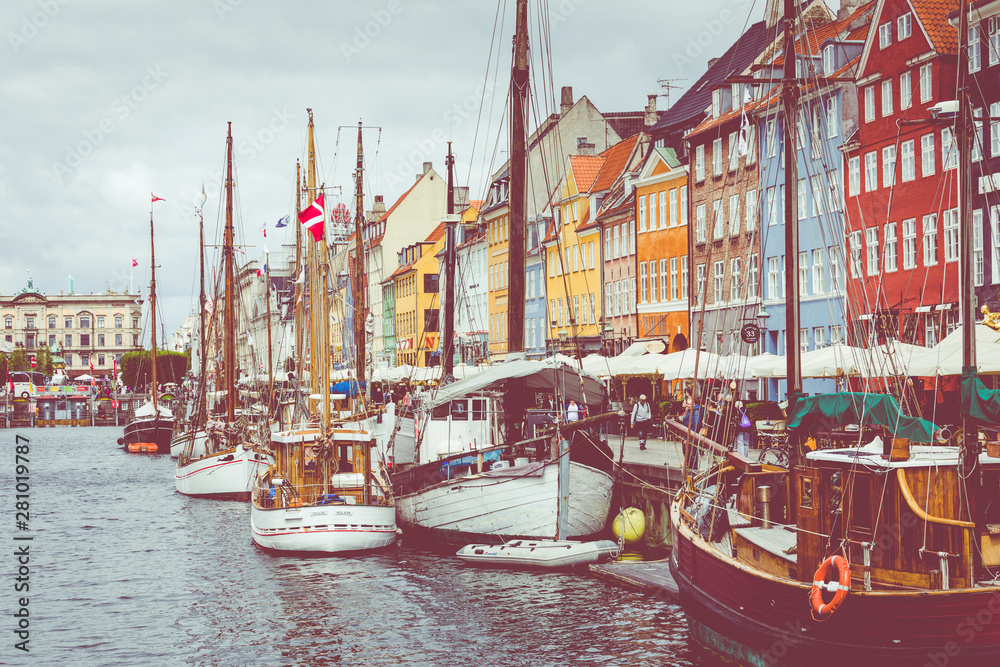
(762, 316)
(607, 335)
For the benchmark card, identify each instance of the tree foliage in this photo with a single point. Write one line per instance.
(170, 367)
(19, 360)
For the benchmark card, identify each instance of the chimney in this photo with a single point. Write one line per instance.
(427, 167)
(378, 208)
(461, 197)
(567, 100)
(846, 8)
(712, 62)
(649, 120)
(584, 148)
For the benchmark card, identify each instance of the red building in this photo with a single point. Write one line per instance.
(901, 178)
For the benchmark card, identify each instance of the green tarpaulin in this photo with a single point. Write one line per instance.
(979, 403)
(826, 411)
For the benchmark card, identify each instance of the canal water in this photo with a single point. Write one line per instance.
(125, 571)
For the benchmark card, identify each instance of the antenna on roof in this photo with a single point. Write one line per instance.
(667, 84)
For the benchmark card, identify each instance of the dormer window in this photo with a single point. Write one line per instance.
(716, 103)
(737, 97)
(829, 60)
(885, 35)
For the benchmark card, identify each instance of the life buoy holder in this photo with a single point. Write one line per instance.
(839, 586)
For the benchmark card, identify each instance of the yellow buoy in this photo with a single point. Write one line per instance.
(630, 525)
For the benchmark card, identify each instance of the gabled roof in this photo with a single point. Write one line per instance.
(616, 160)
(435, 234)
(737, 58)
(933, 15)
(625, 204)
(585, 169)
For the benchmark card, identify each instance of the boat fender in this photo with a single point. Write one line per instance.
(839, 587)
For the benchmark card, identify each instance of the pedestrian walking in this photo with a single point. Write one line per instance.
(642, 419)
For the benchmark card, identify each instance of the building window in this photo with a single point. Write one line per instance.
(801, 190)
(52, 321)
(994, 48)
(773, 278)
(949, 149)
(673, 278)
(829, 60)
(856, 267)
(654, 279)
(977, 135)
(803, 273)
(700, 284)
(753, 278)
(905, 91)
(720, 276)
(662, 210)
(869, 104)
(995, 128)
(886, 98)
(910, 244)
(832, 118)
(975, 52)
(854, 176)
(735, 277)
(100, 321)
(592, 260)
(871, 244)
(930, 240)
(100, 360)
(871, 171)
(817, 194)
(118, 321)
(925, 82)
(699, 163)
(717, 157)
(772, 139)
(100, 340)
(890, 247)
(734, 215)
(927, 155)
(717, 221)
(642, 213)
(909, 160)
(903, 24)
(84, 322)
(8, 322)
(716, 103)
(699, 225)
(84, 359)
(664, 294)
(684, 276)
(836, 275)
(684, 204)
(733, 153)
(135, 340)
(951, 235)
(642, 282)
(888, 166)
(885, 35)
(772, 206)
(833, 185)
(751, 210)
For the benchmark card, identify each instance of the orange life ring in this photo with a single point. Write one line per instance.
(839, 587)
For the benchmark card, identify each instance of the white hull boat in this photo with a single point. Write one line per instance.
(178, 442)
(539, 553)
(225, 475)
(323, 529)
(519, 502)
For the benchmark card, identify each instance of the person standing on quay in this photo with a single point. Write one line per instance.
(642, 419)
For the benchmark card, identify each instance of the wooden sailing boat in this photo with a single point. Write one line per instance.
(221, 459)
(877, 554)
(323, 494)
(454, 482)
(152, 425)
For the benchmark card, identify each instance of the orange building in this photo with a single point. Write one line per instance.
(661, 194)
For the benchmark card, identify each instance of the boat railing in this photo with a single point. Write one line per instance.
(343, 489)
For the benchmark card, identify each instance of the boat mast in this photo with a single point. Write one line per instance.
(270, 352)
(317, 288)
(298, 272)
(227, 253)
(360, 299)
(517, 202)
(789, 100)
(152, 309)
(201, 414)
(447, 343)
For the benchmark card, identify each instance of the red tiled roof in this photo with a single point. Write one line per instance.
(933, 15)
(436, 234)
(615, 161)
(399, 201)
(405, 268)
(859, 34)
(585, 170)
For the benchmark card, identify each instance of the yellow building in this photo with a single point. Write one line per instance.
(495, 218)
(417, 308)
(572, 247)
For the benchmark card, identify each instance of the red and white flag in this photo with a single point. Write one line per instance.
(209, 306)
(155, 198)
(135, 262)
(312, 218)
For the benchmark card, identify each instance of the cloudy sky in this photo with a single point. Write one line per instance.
(105, 101)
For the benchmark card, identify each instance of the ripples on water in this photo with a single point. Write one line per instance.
(125, 571)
